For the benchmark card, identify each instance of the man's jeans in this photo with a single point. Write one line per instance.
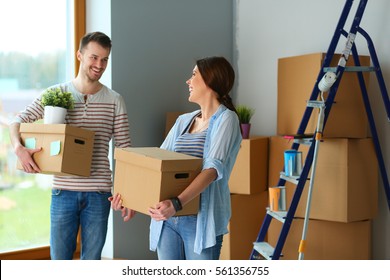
(70, 210)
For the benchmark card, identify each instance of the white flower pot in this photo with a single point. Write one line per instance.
(54, 115)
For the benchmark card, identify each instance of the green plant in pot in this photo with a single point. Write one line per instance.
(56, 103)
(245, 114)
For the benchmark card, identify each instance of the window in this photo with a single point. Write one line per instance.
(35, 53)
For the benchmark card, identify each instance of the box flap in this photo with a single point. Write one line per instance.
(56, 129)
(158, 159)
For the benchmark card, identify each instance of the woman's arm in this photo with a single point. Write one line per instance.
(165, 209)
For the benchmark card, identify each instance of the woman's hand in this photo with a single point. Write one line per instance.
(116, 204)
(162, 211)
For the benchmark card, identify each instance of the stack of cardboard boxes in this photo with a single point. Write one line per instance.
(344, 197)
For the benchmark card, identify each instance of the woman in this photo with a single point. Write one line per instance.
(213, 133)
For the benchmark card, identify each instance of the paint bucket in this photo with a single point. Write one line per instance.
(298, 164)
(289, 162)
(292, 163)
(277, 198)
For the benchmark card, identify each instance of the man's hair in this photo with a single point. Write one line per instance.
(98, 37)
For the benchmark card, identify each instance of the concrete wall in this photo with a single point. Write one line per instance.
(155, 44)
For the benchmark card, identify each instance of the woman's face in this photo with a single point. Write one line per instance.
(197, 87)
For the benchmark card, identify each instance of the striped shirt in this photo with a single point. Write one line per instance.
(191, 143)
(103, 112)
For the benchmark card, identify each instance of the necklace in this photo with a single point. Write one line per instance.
(202, 127)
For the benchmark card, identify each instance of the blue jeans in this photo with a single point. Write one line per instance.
(177, 241)
(70, 210)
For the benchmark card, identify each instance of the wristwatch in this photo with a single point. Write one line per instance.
(176, 203)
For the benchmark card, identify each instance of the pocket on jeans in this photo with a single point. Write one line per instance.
(55, 192)
(104, 193)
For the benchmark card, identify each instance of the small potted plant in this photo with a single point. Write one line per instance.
(56, 103)
(245, 114)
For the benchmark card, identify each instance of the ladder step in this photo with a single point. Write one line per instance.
(315, 104)
(352, 69)
(305, 139)
(291, 179)
(264, 249)
(278, 215)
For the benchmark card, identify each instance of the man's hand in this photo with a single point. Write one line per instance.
(25, 157)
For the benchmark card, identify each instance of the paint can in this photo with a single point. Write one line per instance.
(277, 198)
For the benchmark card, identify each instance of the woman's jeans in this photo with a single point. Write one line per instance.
(177, 241)
(70, 210)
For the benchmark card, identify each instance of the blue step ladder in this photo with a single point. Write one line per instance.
(262, 249)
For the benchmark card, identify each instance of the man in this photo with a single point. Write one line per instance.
(82, 202)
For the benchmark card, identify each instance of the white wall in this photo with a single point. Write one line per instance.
(267, 30)
(98, 18)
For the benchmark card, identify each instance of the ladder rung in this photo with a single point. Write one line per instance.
(304, 141)
(278, 215)
(315, 104)
(352, 69)
(291, 179)
(264, 249)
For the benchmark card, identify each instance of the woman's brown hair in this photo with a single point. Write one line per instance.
(218, 74)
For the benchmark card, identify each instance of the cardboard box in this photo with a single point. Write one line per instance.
(66, 150)
(248, 212)
(346, 182)
(296, 79)
(250, 171)
(145, 176)
(325, 240)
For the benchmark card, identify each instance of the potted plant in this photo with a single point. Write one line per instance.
(245, 114)
(56, 103)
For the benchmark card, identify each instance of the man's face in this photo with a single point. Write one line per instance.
(93, 60)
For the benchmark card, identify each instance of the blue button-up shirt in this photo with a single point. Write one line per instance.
(221, 147)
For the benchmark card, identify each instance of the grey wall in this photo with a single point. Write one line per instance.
(155, 44)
